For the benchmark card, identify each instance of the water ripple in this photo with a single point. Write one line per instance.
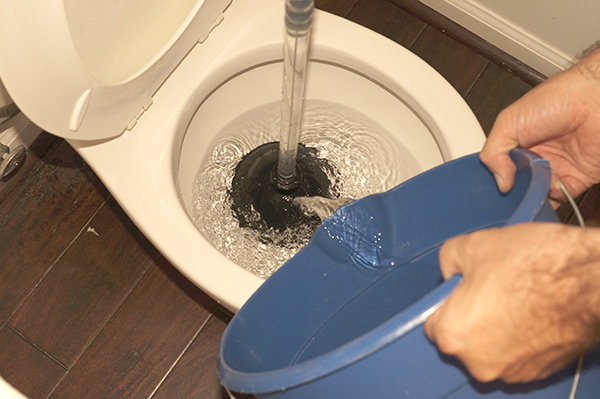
(368, 158)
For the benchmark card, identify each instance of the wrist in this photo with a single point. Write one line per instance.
(589, 286)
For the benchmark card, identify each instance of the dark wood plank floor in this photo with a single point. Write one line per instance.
(90, 309)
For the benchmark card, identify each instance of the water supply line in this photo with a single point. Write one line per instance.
(298, 21)
(10, 158)
(7, 112)
(581, 222)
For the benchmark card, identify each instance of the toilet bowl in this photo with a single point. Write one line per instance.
(144, 118)
(7, 391)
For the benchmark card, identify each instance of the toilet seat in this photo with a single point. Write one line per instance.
(87, 70)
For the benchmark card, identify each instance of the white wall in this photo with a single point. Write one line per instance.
(547, 35)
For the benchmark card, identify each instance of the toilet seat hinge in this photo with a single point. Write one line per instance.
(210, 29)
(137, 116)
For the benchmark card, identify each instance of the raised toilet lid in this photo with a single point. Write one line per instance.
(87, 69)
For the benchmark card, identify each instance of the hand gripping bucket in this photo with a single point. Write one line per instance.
(343, 318)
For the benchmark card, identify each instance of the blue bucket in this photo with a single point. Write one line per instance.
(343, 318)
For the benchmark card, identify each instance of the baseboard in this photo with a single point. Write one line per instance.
(502, 33)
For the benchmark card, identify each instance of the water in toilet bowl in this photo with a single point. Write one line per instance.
(366, 156)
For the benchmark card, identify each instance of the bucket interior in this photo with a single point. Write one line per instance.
(321, 306)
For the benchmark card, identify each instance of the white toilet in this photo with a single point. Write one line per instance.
(123, 82)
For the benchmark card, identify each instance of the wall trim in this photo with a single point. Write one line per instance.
(504, 34)
(471, 40)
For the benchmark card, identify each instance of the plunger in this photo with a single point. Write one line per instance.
(269, 177)
(259, 203)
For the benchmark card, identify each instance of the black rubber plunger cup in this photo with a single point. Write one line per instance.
(257, 201)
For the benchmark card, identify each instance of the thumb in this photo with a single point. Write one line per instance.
(495, 152)
(451, 256)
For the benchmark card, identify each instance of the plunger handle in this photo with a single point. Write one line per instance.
(298, 21)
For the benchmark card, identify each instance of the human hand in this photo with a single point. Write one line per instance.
(528, 303)
(560, 121)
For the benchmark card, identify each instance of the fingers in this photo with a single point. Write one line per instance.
(493, 322)
(450, 256)
(445, 328)
(538, 366)
(503, 168)
(442, 333)
(430, 326)
(453, 257)
(495, 152)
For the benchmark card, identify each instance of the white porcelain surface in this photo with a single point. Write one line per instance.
(329, 82)
(7, 391)
(141, 167)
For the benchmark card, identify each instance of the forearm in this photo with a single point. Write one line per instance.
(589, 50)
(589, 65)
(585, 276)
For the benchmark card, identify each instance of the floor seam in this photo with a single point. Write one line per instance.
(109, 318)
(351, 8)
(36, 346)
(183, 352)
(412, 43)
(485, 67)
(49, 269)
(101, 328)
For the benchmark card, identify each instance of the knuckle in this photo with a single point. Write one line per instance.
(486, 155)
(449, 342)
(484, 374)
(505, 116)
(470, 245)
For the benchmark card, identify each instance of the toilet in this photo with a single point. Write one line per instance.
(140, 88)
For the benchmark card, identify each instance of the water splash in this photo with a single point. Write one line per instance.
(320, 206)
(359, 231)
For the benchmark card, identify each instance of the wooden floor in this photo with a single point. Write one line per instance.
(90, 309)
